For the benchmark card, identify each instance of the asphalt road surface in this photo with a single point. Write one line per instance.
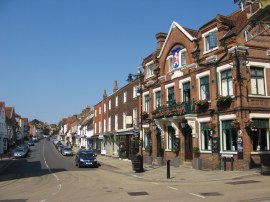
(46, 175)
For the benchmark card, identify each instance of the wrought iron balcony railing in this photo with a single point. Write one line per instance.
(173, 109)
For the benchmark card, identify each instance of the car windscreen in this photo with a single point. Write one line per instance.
(86, 153)
(19, 150)
(67, 149)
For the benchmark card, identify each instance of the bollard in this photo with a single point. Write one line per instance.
(232, 163)
(224, 159)
(168, 169)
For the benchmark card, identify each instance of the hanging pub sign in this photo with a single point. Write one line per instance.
(215, 145)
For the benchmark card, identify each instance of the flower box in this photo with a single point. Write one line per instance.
(235, 124)
(224, 101)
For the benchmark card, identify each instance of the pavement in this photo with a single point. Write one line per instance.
(154, 173)
(177, 174)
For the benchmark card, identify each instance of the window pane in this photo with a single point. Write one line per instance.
(224, 88)
(230, 86)
(261, 86)
(207, 43)
(253, 86)
(183, 58)
(213, 39)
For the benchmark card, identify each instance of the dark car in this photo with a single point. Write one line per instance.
(31, 143)
(86, 158)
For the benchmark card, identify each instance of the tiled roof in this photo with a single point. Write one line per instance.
(9, 111)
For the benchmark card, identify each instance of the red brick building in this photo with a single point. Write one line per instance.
(211, 98)
(116, 122)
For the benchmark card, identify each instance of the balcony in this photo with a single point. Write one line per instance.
(173, 109)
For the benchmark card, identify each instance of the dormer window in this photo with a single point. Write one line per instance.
(210, 40)
(149, 69)
(177, 59)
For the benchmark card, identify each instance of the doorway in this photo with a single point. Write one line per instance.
(188, 143)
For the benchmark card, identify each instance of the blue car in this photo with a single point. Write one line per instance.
(31, 143)
(86, 158)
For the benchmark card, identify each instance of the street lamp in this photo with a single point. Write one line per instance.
(140, 76)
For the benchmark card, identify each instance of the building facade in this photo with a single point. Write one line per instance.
(211, 98)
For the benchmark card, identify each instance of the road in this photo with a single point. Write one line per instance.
(46, 175)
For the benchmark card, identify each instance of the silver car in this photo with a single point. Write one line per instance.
(67, 151)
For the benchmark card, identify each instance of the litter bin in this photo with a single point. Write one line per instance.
(137, 163)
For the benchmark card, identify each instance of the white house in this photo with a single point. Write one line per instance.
(3, 128)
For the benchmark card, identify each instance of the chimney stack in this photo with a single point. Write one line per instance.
(115, 86)
(104, 95)
(161, 37)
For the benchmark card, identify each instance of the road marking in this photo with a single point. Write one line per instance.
(55, 176)
(155, 183)
(173, 188)
(198, 195)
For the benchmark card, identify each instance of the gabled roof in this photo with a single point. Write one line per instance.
(189, 33)
(1, 105)
(9, 111)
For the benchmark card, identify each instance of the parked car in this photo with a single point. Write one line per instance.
(86, 158)
(31, 143)
(35, 139)
(67, 151)
(57, 144)
(20, 152)
(24, 146)
(60, 147)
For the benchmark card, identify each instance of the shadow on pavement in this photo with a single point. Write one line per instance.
(22, 168)
(14, 200)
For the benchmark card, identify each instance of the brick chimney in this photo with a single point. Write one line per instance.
(115, 86)
(161, 37)
(104, 94)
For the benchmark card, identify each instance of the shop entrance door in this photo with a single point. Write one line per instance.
(188, 143)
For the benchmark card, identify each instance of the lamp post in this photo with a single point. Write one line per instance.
(140, 76)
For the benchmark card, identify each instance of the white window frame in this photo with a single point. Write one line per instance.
(149, 69)
(204, 35)
(154, 92)
(125, 97)
(104, 107)
(116, 122)
(198, 77)
(265, 66)
(104, 125)
(110, 104)
(225, 118)
(134, 117)
(144, 107)
(109, 124)
(221, 69)
(135, 91)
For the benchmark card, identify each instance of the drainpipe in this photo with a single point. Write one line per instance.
(223, 43)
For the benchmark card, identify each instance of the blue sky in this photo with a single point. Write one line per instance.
(57, 56)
